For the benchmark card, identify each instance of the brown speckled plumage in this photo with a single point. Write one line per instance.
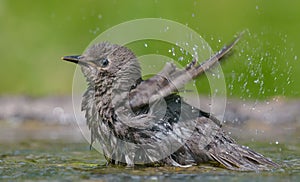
(144, 122)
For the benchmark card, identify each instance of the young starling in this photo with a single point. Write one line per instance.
(146, 122)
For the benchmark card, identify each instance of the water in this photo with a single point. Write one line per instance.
(69, 158)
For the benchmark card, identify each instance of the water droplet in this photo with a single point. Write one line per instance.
(267, 54)
(181, 50)
(180, 58)
(166, 29)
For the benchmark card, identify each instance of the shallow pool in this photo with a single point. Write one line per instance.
(65, 157)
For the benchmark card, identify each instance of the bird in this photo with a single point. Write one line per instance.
(146, 122)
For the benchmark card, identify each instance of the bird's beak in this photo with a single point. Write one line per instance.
(73, 59)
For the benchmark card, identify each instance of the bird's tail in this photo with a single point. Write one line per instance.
(236, 157)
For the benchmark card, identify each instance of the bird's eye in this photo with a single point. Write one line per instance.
(104, 63)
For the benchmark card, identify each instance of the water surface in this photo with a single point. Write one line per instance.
(64, 155)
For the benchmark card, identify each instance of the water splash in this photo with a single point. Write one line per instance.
(263, 66)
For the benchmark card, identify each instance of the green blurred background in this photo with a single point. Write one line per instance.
(35, 34)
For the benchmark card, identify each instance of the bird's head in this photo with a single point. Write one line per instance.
(106, 60)
(111, 70)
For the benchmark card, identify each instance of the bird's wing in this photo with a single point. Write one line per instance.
(170, 79)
